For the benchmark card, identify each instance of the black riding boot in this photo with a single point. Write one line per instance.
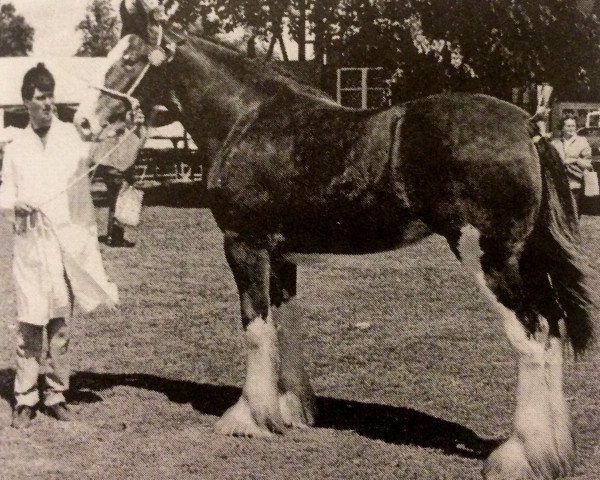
(116, 237)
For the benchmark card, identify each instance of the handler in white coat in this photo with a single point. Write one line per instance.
(45, 191)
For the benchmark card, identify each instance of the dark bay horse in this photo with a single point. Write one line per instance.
(291, 172)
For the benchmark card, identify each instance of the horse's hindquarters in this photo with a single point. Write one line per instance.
(469, 160)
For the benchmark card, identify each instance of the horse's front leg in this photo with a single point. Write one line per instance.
(296, 398)
(257, 412)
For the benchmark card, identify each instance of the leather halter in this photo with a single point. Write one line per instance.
(133, 102)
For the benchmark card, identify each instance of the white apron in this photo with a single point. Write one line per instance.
(61, 243)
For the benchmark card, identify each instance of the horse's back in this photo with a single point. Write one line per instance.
(319, 174)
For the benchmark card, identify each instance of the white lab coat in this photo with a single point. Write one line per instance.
(63, 241)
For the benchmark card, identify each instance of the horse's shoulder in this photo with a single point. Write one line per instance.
(255, 137)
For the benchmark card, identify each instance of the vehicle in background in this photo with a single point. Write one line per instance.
(592, 134)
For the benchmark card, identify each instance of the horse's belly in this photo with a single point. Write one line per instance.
(358, 238)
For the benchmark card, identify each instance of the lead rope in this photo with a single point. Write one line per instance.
(45, 228)
(90, 169)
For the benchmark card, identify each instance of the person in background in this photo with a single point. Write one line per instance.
(575, 152)
(459, 76)
(45, 192)
(114, 179)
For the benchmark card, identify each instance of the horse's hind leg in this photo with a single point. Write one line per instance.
(540, 446)
(257, 412)
(296, 398)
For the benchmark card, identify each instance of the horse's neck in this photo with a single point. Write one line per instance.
(211, 100)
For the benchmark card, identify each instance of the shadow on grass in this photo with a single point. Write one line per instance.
(397, 425)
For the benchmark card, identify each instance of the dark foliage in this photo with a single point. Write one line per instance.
(16, 35)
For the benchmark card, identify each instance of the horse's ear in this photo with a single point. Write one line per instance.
(134, 19)
(143, 17)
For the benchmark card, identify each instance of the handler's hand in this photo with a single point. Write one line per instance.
(585, 163)
(22, 208)
(136, 117)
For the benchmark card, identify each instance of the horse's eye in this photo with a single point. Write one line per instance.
(129, 60)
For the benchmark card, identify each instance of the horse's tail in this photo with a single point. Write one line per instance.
(568, 281)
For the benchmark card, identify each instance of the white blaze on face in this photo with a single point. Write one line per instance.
(89, 103)
(130, 5)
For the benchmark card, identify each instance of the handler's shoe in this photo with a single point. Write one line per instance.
(115, 237)
(22, 416)
(59, 411)
(119, 243)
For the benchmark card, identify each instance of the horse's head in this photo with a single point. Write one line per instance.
(132, 82)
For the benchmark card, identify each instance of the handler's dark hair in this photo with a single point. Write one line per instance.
(37, 77)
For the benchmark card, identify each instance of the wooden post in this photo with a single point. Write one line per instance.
(271, 47)
(302, 31)
(364, 88)
(319, 42)
(283, 49)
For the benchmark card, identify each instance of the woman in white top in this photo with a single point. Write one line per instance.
(575, 152)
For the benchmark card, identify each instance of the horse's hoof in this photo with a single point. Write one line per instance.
(513, 461)
(294, 413)
(238, 421)
(508, 462)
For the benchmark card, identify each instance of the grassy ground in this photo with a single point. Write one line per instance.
(423, 393)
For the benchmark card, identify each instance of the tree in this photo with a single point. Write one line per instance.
(262, 18)
(506, 43)
(512, 42)
(100, 29)
(16, 35)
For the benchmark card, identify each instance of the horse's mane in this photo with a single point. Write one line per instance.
(268, 76)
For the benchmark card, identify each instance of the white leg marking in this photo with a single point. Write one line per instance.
(292, 411)
(470, 253)
(563, 438)
(257, 412)
(541, 445)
